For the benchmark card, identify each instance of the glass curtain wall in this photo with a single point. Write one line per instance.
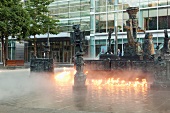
(71, 12)
(153, 15)
(105, 15)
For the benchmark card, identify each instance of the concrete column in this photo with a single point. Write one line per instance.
(92, 47)
(92, 29)
(115, 27)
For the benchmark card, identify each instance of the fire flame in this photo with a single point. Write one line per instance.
(118, 82)
(68, 77)
(63, 77)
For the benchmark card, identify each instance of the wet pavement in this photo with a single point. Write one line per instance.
(23, 92)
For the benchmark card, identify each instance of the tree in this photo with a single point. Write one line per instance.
(14, 22)
(40, 19)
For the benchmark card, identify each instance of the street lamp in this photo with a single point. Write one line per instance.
(47, 50)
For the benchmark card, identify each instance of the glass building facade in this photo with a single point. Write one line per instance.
(71, 12)
(153, 16)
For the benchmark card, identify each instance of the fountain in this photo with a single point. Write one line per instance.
(132, 48)
(45, 65)
(77, 38)
(162, 75)
(137, 56)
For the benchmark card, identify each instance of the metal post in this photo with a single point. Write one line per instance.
(48, 44)
(11, 48)
(115, 27)
(48, 34)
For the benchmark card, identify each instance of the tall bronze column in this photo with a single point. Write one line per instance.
(78, 41)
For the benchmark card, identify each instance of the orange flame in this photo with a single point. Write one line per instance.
(118, 82)
(67, 77)
(64, 76)
(86, 72)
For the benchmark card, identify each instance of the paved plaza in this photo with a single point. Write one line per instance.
(21, 92)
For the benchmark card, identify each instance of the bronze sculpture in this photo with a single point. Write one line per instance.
(133, 47)
(136, 56)
(166, 42)
(148, 47)
(77, 38)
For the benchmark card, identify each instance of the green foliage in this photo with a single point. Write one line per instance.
(14, 19)
(40, 20)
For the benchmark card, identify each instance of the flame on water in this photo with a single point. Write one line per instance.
(86, 72)
(119, 82)
(68, 77)
(63, 77)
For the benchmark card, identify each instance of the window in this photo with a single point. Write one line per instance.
(163, 18)
(101, 23)
(150, 19)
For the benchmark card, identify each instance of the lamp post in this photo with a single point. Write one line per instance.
(47, 50)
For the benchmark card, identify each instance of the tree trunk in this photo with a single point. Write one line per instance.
(6, 48)
(3, 52)
(35, 48)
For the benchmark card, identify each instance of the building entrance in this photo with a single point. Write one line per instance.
(56, 56)
(66, 56)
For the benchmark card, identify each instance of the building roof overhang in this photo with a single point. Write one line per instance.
(60, 35)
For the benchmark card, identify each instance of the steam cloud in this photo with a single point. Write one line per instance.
(19, 82)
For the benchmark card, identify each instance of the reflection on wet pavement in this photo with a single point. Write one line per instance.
(21, 92)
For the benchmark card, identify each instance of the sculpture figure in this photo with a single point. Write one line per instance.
(132, 48)
(166, 47)
(109, 39)
(148, 46)
(78, 38)
(130, 37)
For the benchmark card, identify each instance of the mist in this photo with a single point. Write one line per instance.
(16, 83)
(20, 82)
